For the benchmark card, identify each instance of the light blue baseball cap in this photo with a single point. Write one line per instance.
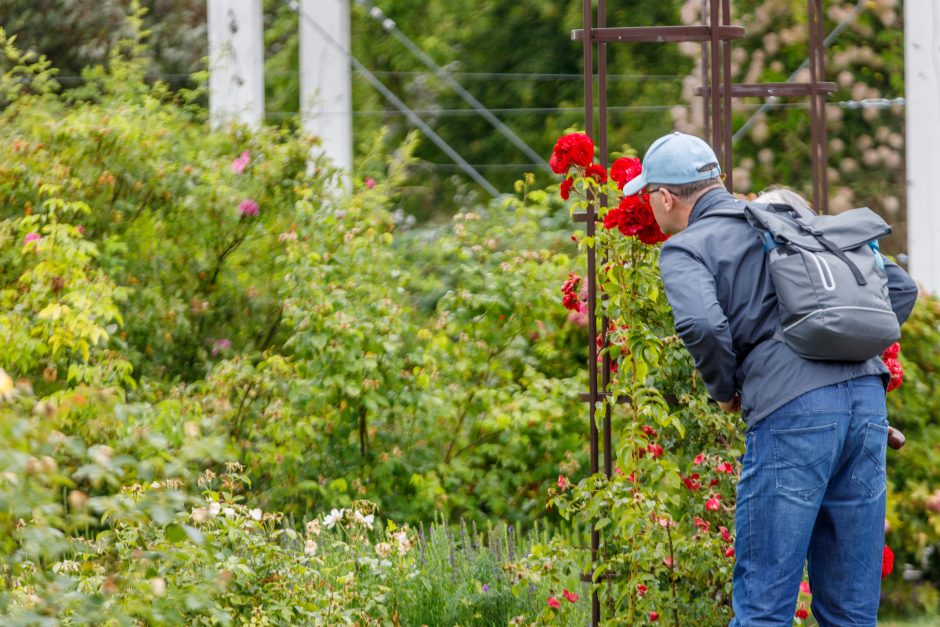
(676, 158)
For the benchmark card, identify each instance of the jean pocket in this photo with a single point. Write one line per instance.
(803, 459)
(869, 467)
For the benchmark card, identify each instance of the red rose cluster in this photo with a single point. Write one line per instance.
(574, 149)
(632, 217)
(570, 298)
(625, 169)
(890, 357)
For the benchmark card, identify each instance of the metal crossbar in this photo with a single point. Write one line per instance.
(716, 35)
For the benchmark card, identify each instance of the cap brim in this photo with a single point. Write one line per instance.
(635, 185)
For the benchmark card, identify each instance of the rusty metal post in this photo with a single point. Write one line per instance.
(602, 143)
(715, 53)
(705, 76)
(819, 159)
(725, 155)
(591, 280)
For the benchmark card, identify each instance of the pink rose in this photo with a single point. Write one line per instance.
(248, 207)
(240, 163)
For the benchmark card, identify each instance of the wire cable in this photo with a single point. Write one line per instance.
(390, 27)
(868, 103)
(401, 106)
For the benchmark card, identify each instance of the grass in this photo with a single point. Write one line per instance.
(455, 565)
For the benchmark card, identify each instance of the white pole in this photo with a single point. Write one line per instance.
(922, 87)
(236, 62)
(326, 79)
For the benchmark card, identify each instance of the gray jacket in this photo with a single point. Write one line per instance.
(725, 311)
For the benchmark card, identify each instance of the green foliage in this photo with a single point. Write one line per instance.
(76, 34)
(188, 378)
(913, 501)
(311, 336)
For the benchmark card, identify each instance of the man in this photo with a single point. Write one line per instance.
(812, 485)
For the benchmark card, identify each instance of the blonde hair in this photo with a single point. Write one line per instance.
(786, 196)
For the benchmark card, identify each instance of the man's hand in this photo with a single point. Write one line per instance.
(733, 406)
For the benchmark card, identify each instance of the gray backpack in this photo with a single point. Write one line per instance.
(829, 275)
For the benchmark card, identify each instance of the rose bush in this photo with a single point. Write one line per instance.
(666, 513)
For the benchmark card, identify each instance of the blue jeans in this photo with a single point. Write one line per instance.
(812, 488)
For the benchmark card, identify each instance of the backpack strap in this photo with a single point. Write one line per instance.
(831, 247)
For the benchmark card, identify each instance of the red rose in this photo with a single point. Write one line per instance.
(656, 450)
(553, 603)
(725, 467)
(577, 148)
(634, 217)
(571, 597)
(571, 300)
(654, 616)
(801, 613)
(729, 552)
(559, 163)
(713, 504)
(699, 458)
(597, 172)
(892, 351)
(890, 359)
(887, 562)
(640, 589)
(565, 189)
(724, 534)
(625, 169)
(613, 217)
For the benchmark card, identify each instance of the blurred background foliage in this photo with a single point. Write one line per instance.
(519, 55)
(332, 347)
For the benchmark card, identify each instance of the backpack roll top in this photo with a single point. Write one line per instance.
(832, 289)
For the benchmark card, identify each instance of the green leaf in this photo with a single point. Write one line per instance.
(175, 534)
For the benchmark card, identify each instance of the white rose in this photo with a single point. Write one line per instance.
(333, 517)
(310, 547)
(158, 585)
(255, 514)
(383, 549)
(201, 515)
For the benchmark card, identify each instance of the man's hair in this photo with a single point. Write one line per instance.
(686, 190)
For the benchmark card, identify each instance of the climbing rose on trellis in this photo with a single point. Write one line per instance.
(574, 149)
(624, 170)
(633, 216)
